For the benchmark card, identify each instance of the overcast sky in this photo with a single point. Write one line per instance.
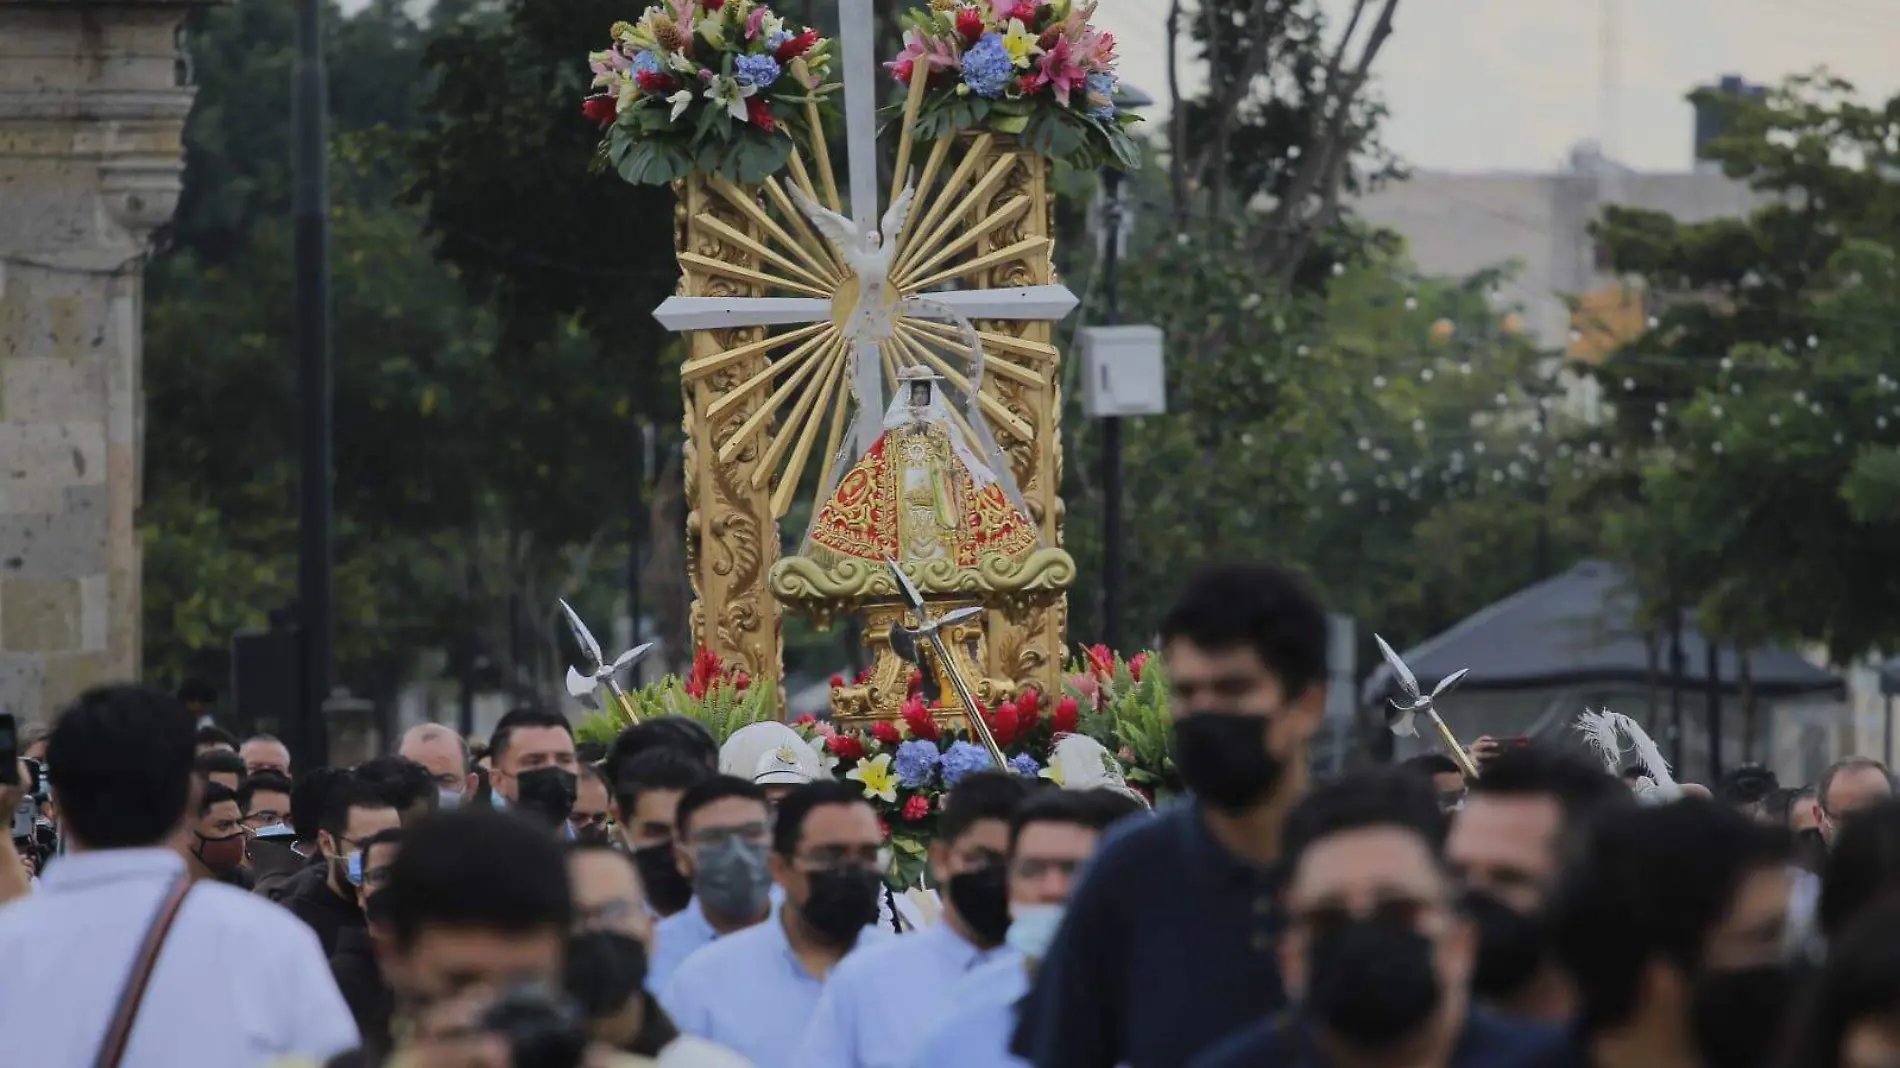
(1512, 84)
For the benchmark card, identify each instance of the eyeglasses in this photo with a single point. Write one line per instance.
(750, 833)
(1323, 921)
(1037, 867)
(583, 820)
(839, 857)
(263, 817)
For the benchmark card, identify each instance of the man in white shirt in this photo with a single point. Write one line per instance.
(236, 981)
(870, 1019)
(725, 835)
(754, 991)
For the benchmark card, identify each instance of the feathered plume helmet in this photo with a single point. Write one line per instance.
(1605, 732)
(1079, 762)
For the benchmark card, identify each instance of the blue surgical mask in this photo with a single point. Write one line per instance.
(1032, 928)
(353, 868)
(448, 799)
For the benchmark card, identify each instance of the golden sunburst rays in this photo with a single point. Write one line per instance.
(798, 404)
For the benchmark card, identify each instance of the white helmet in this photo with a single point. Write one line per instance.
(770, 754)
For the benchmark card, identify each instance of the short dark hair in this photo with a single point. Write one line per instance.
(386, 836)
(590, 753)
(591, 773)
(120, 761)
(716, 788)
(218, 762)
(307, 795)
(478, 868)
(1653, 882)
(519, 718)
(401, 781)
(212, 734)
(788, 828)
(1836, 769)
(663, 769)
(345, 795)
(1582, 788)
(214, 792)
(1380, 797)
(1257, 606)
(197, 690)
(264, 782)
(1429, 764)
(679, 733)
(1076, 808)
(1862, 867)
(1748, 784)
(979, 796)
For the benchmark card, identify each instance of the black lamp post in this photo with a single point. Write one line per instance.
(1126, 98)
(310, 214)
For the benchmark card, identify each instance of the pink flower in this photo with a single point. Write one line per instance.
(1137, 664)
(916, 808)
(1064, 74)
(755, 20)
(1096, 49)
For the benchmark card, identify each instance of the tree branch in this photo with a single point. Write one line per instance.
(1267, 24)
(1177, 120)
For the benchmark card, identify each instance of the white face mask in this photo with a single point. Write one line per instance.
(1032, 928)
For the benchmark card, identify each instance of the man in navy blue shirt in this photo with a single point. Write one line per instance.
(1377, 953)
(1168, 945)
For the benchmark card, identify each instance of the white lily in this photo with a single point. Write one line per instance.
(728, 92)
(680, 63)
(680, 101)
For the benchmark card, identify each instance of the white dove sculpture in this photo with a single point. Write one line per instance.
(870, 256)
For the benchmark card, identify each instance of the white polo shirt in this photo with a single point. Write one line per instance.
(239, 982)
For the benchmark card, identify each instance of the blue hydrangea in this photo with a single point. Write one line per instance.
(987, 67)
(776, 38)
(645, 62)
(1101, 96)
(963, 758)
(916, 761)
(1025, 765)
(758, 71)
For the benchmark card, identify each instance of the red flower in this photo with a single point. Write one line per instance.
(1068, 714)
(805, 720)
(1049, 36)
(916, 808)
(846, 747)
(970, 25)
(1028, 710)
(1005, 723)
(1101, 660)
(886, 732)
(919, 720)
(741, 680)
(883, 829)
(864, 676)
(712, 5)
(600, 110)
(653, 82)
(1136, 664)
(759, 114)
(837, 681)
(706, 672)
(795, 47)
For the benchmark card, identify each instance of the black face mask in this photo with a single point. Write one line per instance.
(1223, 758)
(842, 903)
(1371, 983)
(981, 897)
(605, 970)
(1511, 946)
(1737, 1015)
(667, 889)
(547, 793)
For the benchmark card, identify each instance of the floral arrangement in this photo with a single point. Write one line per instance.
(1033, 68)
(905, 767)
(714, 86)
(723, 698)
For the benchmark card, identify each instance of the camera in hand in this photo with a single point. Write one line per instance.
(543, 1029)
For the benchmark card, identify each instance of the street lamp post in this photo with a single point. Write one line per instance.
(310, 215)
(1127, 98)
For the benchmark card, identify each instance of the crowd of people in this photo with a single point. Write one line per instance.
(181, 897)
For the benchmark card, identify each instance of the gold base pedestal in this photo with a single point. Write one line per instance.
(887, 687)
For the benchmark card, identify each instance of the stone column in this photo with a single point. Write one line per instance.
(93, 99)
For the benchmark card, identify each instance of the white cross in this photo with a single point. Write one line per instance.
(1051, 302)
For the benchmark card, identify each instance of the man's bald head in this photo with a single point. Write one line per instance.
(445, 754)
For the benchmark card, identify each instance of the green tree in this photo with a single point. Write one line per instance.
(1748, 423)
